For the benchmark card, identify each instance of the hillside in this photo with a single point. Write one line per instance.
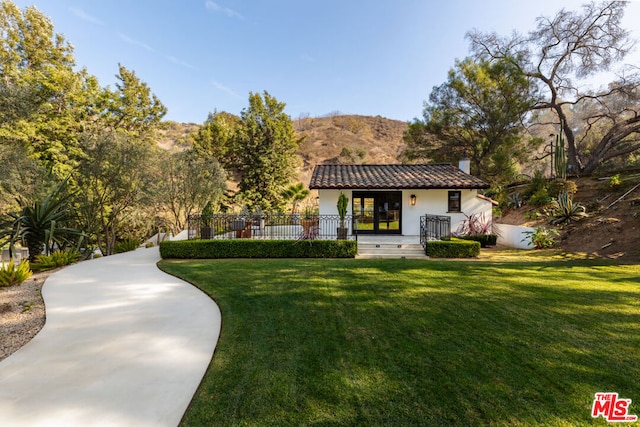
(611, 230)
(348, 139)
(331, 139)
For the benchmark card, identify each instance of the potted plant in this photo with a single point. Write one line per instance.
(343, 202)
(206, 222)
(309, 222)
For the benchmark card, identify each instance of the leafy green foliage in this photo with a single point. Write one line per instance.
(126, 246)
(131, 108)
(115, 181)
(478, 110)
(560, 186)
(12, 275)
(295, 193)
(215, 138)
(55, 259)
(44, 98)
(540, 197)
(564, 209)
(541, 238)
(349, 156)
(265, 147)
(615, 180)
(484, 239)
(189, 180)
(453, 248)
(199, 249)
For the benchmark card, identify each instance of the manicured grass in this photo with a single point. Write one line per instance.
(411, 342)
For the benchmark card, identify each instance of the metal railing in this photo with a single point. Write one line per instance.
(434, 227)
(271, 226)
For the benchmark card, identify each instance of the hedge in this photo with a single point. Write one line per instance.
(204, 249)
(484, 239)
(453, 248)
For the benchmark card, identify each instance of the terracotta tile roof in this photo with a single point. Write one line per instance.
(392, 177)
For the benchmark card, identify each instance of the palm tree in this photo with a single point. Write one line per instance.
(295, 193)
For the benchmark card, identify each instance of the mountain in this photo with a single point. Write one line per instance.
(330, 139)
(348, 139)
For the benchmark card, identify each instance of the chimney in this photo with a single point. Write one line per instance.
(465, 164)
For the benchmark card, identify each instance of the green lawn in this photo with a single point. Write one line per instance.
(411, 342)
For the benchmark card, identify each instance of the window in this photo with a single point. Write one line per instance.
(454, 201)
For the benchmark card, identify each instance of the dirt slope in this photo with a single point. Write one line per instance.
(611, 231)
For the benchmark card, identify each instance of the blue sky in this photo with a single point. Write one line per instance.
(369, 57)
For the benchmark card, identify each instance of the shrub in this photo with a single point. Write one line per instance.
(540, 197)
(12, 275)
(55, 260)
(563, 209)
(203, 249)
(615, 180)
(453, 248)
(484, 239)
(560, 186)
(541, 238)
(537, 184)
(126, 246)
(474, 224)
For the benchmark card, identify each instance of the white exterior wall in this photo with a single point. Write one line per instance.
(513, 236)
(432, 202)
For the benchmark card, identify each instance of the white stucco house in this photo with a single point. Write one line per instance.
(390, 199)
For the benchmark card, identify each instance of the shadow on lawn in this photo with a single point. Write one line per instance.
(419, 343)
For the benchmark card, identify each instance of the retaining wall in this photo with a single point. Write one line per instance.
(512, 236)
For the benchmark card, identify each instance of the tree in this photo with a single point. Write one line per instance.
(295, 193)
(560, 56)
(188, 181)
(265, 147)
(22, 179)
(115, 178)
(42, 98)
(131, 108)
(479, 111)
(215, 138)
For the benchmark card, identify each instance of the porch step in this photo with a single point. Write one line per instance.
(391, 250)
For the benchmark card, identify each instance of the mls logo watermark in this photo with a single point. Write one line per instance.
(612, 408)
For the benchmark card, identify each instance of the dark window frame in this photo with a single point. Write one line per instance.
(451, 205)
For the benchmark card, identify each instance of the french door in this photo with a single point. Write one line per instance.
(378, 212)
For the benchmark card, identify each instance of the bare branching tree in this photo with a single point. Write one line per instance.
(561, 55)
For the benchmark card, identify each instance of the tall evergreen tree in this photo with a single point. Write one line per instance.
(215, 138)
(478, 110)
(265, 147)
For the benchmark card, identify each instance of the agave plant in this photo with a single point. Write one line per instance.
(564, 209)
(12, 275)
(515, 201)
(42, 224)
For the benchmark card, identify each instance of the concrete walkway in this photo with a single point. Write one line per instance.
(124, 345)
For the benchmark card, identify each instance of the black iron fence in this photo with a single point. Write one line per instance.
(434, 227)
(272, 226)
